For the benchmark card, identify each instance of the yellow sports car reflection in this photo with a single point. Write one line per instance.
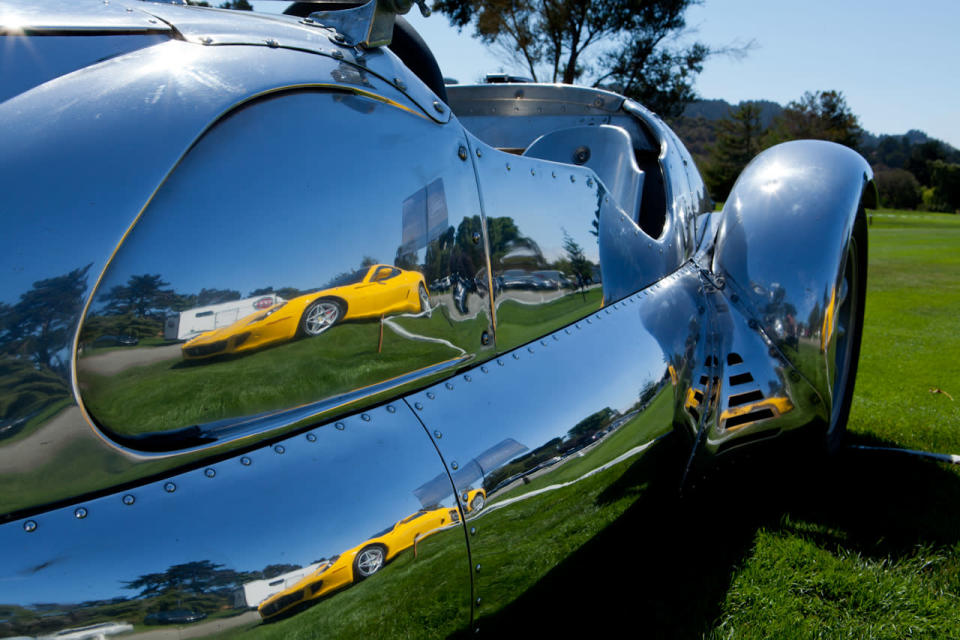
(367, 293)
(362, 561)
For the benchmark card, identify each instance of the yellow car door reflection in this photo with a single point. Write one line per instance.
(362, 561)
(370, 292)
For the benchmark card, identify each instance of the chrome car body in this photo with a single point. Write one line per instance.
(223, 151)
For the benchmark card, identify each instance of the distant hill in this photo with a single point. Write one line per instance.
(697, 126)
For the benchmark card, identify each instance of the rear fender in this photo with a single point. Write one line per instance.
(782, 241)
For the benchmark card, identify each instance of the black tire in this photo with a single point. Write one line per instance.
(369, 560)
(424, 298)
(477, 503)
(848, 331)
(320, 315)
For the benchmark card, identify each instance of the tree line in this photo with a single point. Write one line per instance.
(912, 171)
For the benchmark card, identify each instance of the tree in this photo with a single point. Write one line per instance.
(41, 325)
(738, 141)
(239, 5)
(620, 44)
(898, 188)
(143, 296)
(581, 267)
(945, 180)
(823, 115)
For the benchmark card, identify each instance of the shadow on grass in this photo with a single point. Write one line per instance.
(663, 569)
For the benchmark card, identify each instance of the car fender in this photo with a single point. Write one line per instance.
(782, 239)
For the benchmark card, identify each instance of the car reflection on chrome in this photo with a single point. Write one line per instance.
(362, 561)
(366, 293)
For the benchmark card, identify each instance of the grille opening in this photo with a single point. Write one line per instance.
(734, 358)
(753, 416)
(744, 398)
(698, 396)
(740, 378)
(316, 586)
(703, 380)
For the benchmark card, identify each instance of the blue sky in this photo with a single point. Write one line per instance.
(894, 61)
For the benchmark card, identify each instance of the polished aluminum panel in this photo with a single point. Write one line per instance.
(549, 428)
(288, 529)
(374, 259)
(95, 144)
(511, 116)
(70, 16)
(228, 28)
(541, 221)
(28, 61)
(782, 242)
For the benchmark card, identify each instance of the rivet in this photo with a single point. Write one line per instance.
(589, 182)
(128, 499)
(365, 417)
(279, 448)
(206, 40)
(476, 237)
(431, 395)
(533, 172)
(589, 321)
(573, 178)
(454, 465)
(485, 338)
(391, 408)
(340, 426)
(499, 362)
(80, 513)
(29, 526)
(553, 174)
(516, 356)
(567, 331)
(169, 487)
(338, 54)
(245, 461)
(484, 369)
(400, 84)
(473, 531)
(478, 568)
(467, 378)
(508, 166)
(272, 43)
(578, 326)
(418, 406)
(437, 435)
(338, 37)
(449, 386)
(530, 349)
(210, 472)
(462, 153)
(311, 437)
(557, 338)
(608, 311)
(479, 153)
(437, 106)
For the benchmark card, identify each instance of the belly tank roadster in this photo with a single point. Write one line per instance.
(553, 294)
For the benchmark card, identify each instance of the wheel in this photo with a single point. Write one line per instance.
(319, 316)
(477, 503)
(424, 298)
(369, 561)
(844, 349)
